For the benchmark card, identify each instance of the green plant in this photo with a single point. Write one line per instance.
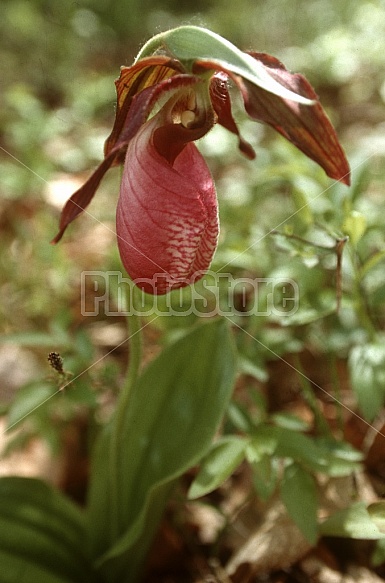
(168, 415)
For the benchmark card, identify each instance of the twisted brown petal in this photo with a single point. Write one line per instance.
(221, 102)
(143, 74)
(140, 108)
(305, 126)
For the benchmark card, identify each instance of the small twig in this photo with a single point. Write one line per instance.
(302, 240)
(337, 248)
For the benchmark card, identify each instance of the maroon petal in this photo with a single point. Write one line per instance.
(140, 108)
(167, 217)
(305, 126)
(221, 101)
(143, 74)
(82, 197)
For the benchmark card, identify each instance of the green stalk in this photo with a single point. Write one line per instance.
(135, 346)
(360, 300)
(134, 360)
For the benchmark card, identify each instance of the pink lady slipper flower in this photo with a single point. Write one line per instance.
(177, 89)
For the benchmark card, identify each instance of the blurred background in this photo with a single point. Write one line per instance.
(58, 62)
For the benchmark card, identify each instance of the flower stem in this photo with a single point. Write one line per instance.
(134, 359)
(135, 346)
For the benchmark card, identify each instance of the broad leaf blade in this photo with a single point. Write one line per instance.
(174, 412)
(42, 535)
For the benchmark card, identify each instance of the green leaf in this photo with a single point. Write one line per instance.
(173, 415)
(35, 339)
(355, 225)
(372, 262)
(265, 476)
(298, 447)
(192, 43)
(301, 200)
(264, 442)
(219, 463)
(285, 441)
(378, 556)
(27, 400)
(353, 522)
(308, 314)
(42, 535)
(377, 514)
(290, 421)
(341, 458)
(299, 494)
(367, 373)
(253, 369)
(239, 417)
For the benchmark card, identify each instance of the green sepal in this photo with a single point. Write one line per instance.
(193, 44)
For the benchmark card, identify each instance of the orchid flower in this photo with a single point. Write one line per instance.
(176, 90)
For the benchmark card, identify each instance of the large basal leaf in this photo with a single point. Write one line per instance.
(174, 412)
(192, 43)
(42, 535)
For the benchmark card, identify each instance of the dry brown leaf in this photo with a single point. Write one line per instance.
(318, 572)
(276, 544)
